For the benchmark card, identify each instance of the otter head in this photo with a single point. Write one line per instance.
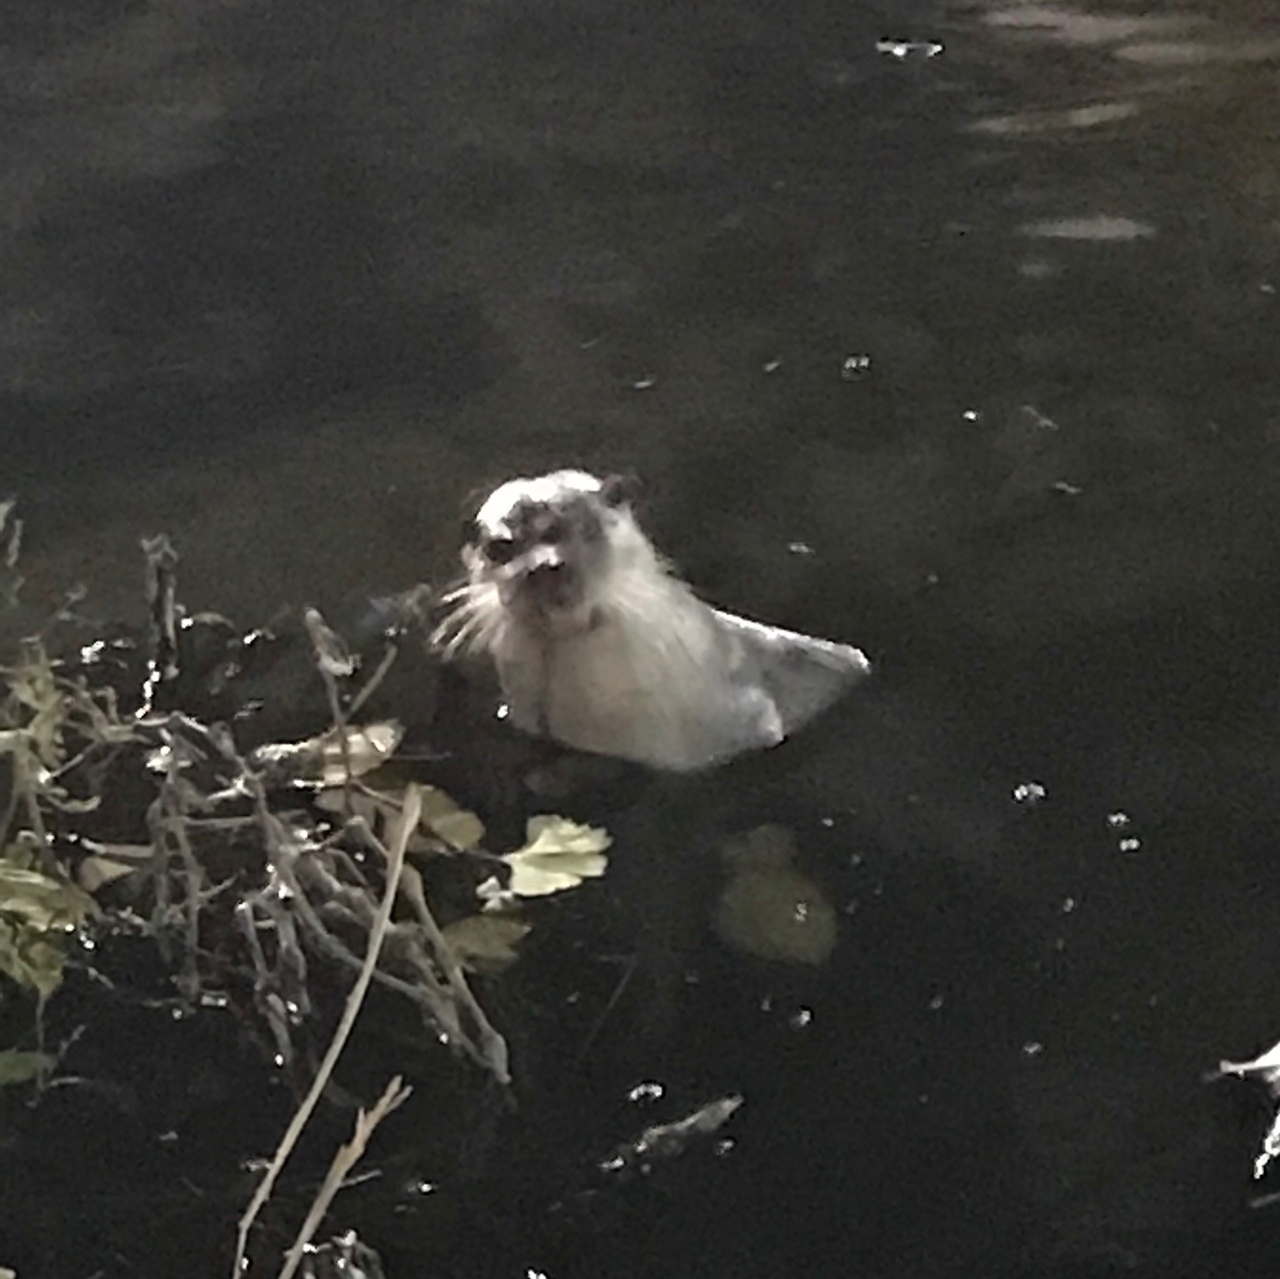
(548, 545)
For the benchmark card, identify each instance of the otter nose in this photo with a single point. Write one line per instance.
(545, 562)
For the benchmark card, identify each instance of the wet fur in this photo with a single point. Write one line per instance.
(634, 665)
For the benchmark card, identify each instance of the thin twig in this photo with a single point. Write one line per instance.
(395, 863)
(493, 1046)
(395, 1094)
(371, 684)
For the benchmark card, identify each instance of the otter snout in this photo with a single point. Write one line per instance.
(543, 582)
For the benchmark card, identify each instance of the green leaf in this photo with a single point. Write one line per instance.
(30, 958)
(486, 942)
(21, 1067)
(41, 901)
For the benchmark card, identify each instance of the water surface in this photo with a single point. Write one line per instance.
(949, 330)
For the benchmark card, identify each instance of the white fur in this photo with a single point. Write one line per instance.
(642, 669)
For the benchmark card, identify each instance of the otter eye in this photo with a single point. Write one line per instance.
(619, 490)
(500, 550)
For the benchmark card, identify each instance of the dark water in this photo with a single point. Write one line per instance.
(968, 356)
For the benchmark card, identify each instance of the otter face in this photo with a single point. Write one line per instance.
(543, 543)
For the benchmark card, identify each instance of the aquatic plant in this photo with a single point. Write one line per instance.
(250, 870)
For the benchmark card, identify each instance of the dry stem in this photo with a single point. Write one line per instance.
(395, 863)
(347, 1157)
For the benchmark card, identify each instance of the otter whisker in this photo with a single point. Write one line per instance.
(459, 592)
(469, 626)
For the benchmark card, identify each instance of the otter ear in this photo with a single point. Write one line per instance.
(620, 490)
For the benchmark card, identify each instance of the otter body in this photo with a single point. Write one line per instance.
(599, 646)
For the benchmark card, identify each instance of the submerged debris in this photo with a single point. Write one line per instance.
(770, 909)
(666, 1141)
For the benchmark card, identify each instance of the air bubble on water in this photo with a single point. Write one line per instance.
(1131, 844)
(644, 383)
(801, 1019)
(647, 1091)
(1032, 1048)
(800, 548)
(772, 366)
(1028, 793)
(724, 1147)
(855, 367)
(1068, 905)
(1118, 820)
(971, 415)
(936, 1003)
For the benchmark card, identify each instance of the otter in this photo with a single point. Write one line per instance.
(600, 646)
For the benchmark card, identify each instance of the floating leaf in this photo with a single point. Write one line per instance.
(30, 958)
(486, 941)
(558, 854)
(366, 749)
(36, 910)
(456, 826)
(442, 818)
(40, 901)
(322, 760)
(18, 1068)
(372, 808)
(770, 909)
(97, 871)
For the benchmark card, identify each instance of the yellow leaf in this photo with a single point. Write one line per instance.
(17, 1068)
(486, 941)
(456, 826)
(558, 854)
